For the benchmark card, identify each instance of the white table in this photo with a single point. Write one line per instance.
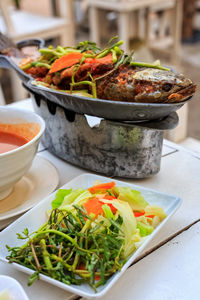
(169, 268)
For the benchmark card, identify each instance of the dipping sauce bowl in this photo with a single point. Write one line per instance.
(20, 134)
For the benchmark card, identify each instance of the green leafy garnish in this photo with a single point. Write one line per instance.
(72, 252)
(60, 195)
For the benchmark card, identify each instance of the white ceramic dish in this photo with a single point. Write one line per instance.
(40, 180)
(37, 216)
(11, 287)
(15, 163)
(6, 222)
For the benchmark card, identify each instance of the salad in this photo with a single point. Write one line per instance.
(89, 234)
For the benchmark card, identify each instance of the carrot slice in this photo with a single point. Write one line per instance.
(82, 267)
(108, 197)
(65, 61)
(97, 277)
(150, 216)
(104, 60)
(71, 59)
(101, 187)
(138, 214)
(93, 206)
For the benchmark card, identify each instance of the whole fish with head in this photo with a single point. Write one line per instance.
(107, 74)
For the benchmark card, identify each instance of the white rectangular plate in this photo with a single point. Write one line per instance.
(35, 217)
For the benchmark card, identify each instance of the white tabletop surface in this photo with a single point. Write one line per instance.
(169, 268)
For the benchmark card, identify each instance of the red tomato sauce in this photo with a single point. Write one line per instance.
(10, 141)
(16, 135)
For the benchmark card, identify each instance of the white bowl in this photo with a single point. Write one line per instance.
(15, 163)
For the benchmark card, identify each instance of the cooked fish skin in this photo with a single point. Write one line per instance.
(145, 85)
(131, 84)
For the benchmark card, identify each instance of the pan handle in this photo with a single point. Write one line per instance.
(167, 123)
(40, 43)
(7, 63)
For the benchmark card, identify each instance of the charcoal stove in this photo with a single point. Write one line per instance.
(112, 148)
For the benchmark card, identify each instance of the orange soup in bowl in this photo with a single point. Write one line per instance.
(10, 141)
(13, 136)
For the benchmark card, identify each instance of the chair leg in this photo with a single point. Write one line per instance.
(66, 10)
(18, 90)
(177, 29)
(164, 23)
(134, 24)
(123, 29)
(67, 39)
(147, 29)
(94, 25)
(2, 98)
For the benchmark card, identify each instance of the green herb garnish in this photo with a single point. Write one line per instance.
(71, 249)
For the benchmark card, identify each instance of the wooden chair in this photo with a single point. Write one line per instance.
(20, 24)
(166, 34)
(128, 17)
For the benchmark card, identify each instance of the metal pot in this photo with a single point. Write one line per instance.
(131, 150)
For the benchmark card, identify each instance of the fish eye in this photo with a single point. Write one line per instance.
(167, 87)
